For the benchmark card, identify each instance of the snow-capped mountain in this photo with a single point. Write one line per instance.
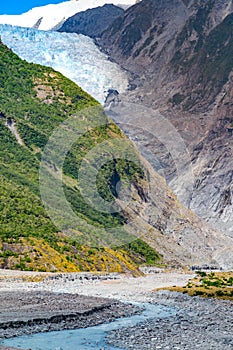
(53, 15)
(75, 56)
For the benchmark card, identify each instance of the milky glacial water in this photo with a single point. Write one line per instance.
(88, 338)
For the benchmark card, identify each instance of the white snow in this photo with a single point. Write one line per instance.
(54, 14)
(75, 56)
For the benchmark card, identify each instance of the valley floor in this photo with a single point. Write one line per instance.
(198, 323)
(117, 286)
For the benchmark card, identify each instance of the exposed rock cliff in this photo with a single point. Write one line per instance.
(180, 55)
(92, 22)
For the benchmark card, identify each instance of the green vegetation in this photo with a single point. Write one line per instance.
(216, 58)
(36, 100)
(139, 249)
(209, 285)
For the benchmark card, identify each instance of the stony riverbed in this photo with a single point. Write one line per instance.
(199, 324)
(55, 304)
(36, 311)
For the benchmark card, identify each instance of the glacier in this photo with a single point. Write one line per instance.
(54, 15)
(75, 56)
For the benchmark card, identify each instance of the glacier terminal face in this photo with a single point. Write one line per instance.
(75, 56)
(52, 15)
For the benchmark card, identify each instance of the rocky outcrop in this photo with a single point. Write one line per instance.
(136, 37)
(92, 22)
(179, 235)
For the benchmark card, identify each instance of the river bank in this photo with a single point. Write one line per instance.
(198, 323)
(37, 311)
(36, 302)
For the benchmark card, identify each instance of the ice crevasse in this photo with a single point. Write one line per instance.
(75, 56)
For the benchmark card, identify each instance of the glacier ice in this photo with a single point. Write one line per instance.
(51, 15)
(75, 56)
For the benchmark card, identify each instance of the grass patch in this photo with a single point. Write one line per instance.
(209, 285)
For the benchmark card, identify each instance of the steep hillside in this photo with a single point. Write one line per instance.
(180, 54)
(34, 101)
(92, 22)
(138, 35)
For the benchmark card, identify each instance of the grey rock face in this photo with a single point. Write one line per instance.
(180, 55)
(92, 22)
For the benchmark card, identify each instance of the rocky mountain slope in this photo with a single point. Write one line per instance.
(52, 16)
(92, 22)
(180, 56)
(35, 100)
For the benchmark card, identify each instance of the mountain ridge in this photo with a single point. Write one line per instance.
(91, 22)
(41, 18)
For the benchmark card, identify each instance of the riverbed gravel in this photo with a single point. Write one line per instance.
(37, 311)
(64, 301)
(199, 324)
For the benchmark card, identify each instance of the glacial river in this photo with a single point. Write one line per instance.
(88, 338)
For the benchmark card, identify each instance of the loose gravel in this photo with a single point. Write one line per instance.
(199, 324)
